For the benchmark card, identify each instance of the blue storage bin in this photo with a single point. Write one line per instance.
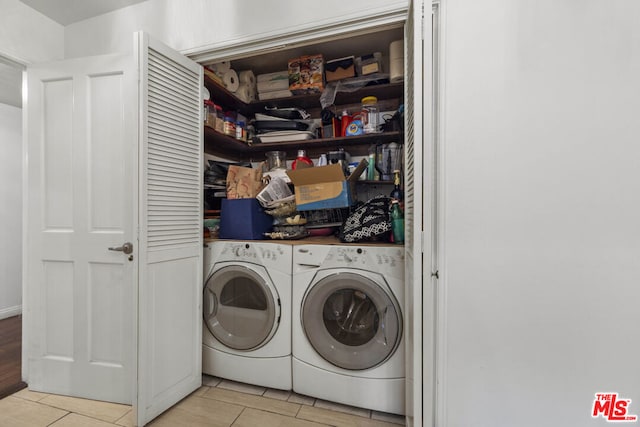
(244, 219)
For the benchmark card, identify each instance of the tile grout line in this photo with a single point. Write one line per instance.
(81, 414)
(126, 413)
(26, 399)
(67, 412)
(236, 418)
(59, 419)
(298, 412)
(259, 409)
(368, 416)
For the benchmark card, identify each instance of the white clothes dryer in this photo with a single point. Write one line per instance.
(247, 313)
(347, 331)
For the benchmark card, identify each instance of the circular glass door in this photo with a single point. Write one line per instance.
(351, 321)
(239, 308)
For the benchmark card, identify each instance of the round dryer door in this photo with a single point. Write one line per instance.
(351, 321)
(239, 308)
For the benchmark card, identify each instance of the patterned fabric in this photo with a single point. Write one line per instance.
(368, 222)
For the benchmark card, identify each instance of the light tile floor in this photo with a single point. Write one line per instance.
(218, 403)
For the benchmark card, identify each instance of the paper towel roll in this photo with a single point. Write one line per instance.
(221, 67)
(247, 77)
(396, 70)
(244, 92)
(230, 80)
(396, 61)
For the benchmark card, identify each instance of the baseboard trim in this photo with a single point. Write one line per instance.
(10, 311)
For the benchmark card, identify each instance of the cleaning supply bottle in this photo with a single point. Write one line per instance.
(396, 193)
(371, 167)
(397, 222)
(345, 120)
(301, 158)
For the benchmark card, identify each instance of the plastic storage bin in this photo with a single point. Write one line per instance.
(244, 219)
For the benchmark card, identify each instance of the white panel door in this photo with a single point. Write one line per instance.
(170, 289)
(81, 180)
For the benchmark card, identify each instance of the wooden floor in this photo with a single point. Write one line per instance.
(10, 355)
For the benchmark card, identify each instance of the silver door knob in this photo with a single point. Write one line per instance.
(127, 248)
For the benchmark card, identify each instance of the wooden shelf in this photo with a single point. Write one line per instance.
(354, 145)
(317, 240)
(383, 91)
(228, 147)
(220, 94)
(372, 182)
(233, 149)
(224, 145)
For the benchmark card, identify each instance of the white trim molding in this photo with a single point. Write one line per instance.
(376, 19)
(10, 311)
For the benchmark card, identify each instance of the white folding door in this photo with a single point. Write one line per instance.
(113, 148)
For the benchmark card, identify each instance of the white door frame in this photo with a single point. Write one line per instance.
(265, 42)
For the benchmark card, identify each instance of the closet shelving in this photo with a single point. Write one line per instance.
(220, 144)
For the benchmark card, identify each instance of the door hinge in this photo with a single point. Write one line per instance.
(436, 274)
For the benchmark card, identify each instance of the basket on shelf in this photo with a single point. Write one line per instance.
(321, 218)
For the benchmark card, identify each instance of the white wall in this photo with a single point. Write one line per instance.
(541, 261)
(190, 24)
(27, 35)
(10, 211)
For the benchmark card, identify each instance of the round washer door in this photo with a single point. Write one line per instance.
(240, 310)
(351, 321)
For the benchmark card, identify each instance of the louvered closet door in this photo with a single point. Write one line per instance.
(170, 286)
(418, 205)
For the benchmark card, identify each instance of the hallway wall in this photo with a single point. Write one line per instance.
(10, 211)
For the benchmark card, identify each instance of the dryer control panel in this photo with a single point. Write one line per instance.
(385, 260)
(266, 254)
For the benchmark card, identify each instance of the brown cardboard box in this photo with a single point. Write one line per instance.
(338, 69)
(324, 187)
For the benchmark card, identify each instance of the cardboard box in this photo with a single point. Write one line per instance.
(306, 74)
(244, 219)
(324, 187)
(338, 69)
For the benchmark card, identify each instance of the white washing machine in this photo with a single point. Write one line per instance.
(347, 330)
(247, 313)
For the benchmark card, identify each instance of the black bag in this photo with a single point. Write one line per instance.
(369, 221)
(216, 174)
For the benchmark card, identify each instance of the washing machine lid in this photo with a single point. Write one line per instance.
(351, 321)
(240, 307)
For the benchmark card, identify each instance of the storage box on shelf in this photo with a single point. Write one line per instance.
(243, 219)
(324, 187)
